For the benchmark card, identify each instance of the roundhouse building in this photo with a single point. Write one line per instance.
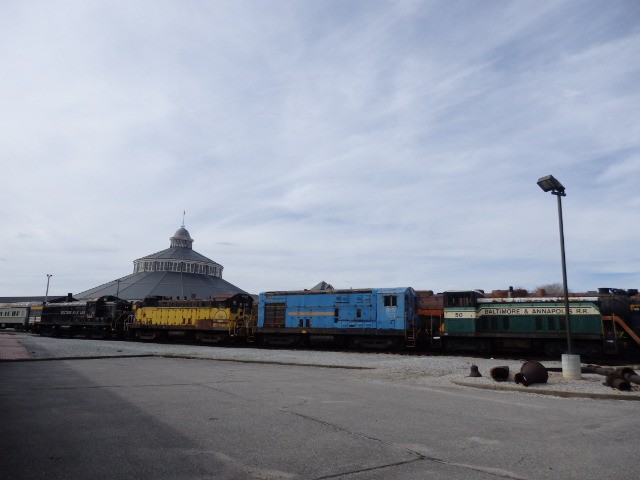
(179, 272)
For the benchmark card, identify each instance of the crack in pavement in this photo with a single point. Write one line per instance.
(370, 469)
(419, 456)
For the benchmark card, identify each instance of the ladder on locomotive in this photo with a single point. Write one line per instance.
(251, 337)
(251, 323)
(429, 325)
(128, 321)
(611, 333)
(410, 336)
(435, 323)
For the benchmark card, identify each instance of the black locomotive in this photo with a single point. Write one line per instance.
(100, 317)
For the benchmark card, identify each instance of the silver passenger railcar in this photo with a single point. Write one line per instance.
(15, 315)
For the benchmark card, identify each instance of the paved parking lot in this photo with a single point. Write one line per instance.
(159, 418)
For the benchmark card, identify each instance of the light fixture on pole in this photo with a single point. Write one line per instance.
(551, 184)
(46, 295)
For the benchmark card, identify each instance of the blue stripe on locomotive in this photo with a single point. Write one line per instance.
(381, 309)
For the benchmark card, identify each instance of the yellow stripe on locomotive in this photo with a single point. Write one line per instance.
(187, 317)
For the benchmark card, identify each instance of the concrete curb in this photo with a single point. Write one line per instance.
(91, 357)
(554, 393)
(266, 362)
(186, 357)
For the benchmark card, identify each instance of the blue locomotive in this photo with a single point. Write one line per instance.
(377, 317)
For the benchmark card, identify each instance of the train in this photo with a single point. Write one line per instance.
(602, 322)
(378, 317)
(101, 317)
(218, 320)
(15, 315)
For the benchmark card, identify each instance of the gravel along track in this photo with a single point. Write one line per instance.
(413, 370)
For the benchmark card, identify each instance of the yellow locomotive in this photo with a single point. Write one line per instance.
(219, 320)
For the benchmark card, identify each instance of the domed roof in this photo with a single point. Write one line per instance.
(177, 272)
(182, 233)
(181, 238)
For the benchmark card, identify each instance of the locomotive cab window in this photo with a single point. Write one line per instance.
(390, 300)
(461, 299)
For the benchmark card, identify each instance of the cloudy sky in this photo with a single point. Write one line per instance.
(365, 143)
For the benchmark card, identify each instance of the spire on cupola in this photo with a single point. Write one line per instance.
(181, 238)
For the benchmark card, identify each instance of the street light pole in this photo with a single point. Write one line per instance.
(551, 184)
(564, 272)
(46, 295)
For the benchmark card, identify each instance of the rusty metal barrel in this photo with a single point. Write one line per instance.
(532, 372)
(596, 369)
(619, 379)
(627, 371)
(614, 380)
(632, 377)
(500, 374)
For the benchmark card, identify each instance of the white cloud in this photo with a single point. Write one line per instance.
(363, 143)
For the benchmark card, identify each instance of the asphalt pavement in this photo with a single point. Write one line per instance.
(165, 418)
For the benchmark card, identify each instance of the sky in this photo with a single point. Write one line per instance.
(364, 143)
